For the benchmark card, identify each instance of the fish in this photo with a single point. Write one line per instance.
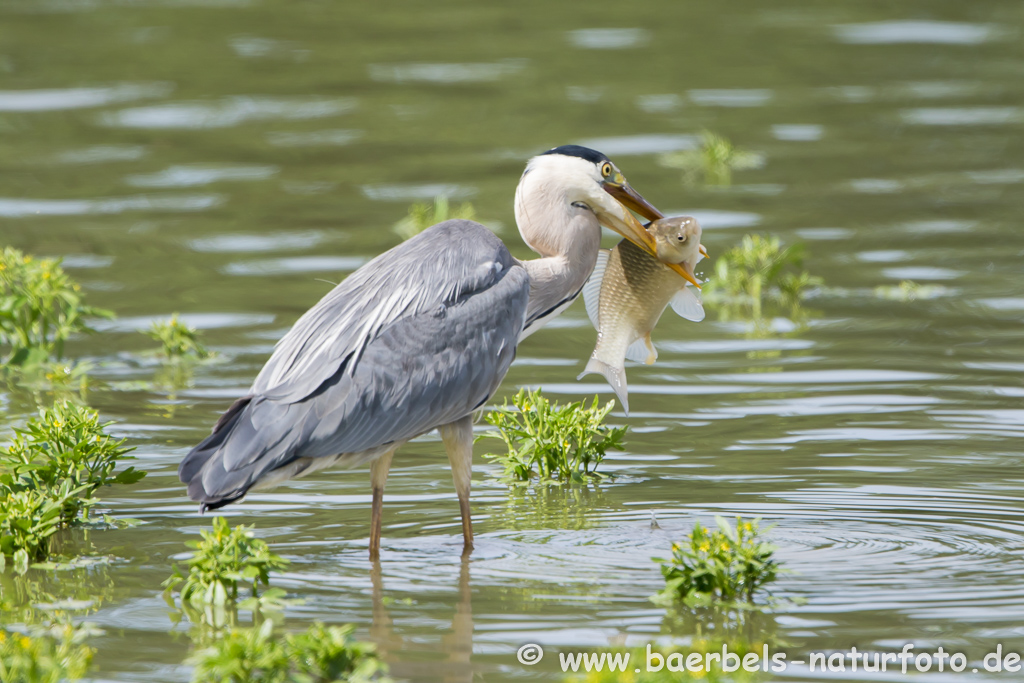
(630, 289)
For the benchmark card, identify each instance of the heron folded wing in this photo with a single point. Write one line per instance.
(437, 267)
(422, 371)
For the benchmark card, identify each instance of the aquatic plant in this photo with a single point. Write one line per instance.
(45, 655)
(49, 475)
(322, 654)
(757, 273)
(908, 290)
(27, 521)
(729, 564)
(422, 216)
(40, 308)
(551, 441)
(65, 454)
(224, 559)
(713, 161)
(177, 339)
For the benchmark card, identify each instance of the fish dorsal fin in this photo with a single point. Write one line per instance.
(592, 290)
(638, 351)
(686, 303)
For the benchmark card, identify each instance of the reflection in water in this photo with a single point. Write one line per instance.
(545, 506)
(40, 596)
(456, 645)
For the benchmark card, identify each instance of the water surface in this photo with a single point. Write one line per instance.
(230, 160)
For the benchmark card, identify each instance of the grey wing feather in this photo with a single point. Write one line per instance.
(421, 370)
(431, 268)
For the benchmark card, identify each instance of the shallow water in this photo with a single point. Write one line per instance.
(229, 159)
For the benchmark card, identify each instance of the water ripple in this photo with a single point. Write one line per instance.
(446, 73)
(608, 38)
(19, 208)
(934, 32)
(629, 145)
(296, 264)
(201, 174)
(230, 111)
(78, 98)
(234, 244)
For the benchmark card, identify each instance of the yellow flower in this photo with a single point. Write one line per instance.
(724, 546)
(25, 642)
(704, 547)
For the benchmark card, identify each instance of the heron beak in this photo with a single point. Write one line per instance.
(627, 200)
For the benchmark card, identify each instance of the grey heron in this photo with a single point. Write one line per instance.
(417, 339)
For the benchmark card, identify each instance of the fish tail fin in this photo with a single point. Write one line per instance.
(616, 377)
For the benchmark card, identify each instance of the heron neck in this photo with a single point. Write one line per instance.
(557, 279)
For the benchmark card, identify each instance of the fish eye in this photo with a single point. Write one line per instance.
(606, 169)
(682, 239)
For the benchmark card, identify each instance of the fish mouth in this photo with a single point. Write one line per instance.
(626, 224)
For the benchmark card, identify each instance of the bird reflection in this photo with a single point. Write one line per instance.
(457, 644)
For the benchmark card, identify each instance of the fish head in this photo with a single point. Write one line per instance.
(677, 239)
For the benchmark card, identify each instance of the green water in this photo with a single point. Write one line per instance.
(229, 159)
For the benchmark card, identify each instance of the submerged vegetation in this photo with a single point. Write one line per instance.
(322, 654)
(178, 340)
(40, 308)
(422, 216)
(729, 564)
(712, 162)
(49, 475)
(549, 441)
(908, 290)
(759, 278)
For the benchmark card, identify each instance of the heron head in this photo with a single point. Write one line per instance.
(585, 179)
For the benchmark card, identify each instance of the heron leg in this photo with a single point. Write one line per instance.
(458, 441)
(378, 477)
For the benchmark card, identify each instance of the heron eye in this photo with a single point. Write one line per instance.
(606, 169)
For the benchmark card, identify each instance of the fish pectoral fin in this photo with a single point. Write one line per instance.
(616, 378)
(687, 304)
(652, 353)
(592, 289)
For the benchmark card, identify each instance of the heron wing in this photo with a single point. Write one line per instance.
(439, 265)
